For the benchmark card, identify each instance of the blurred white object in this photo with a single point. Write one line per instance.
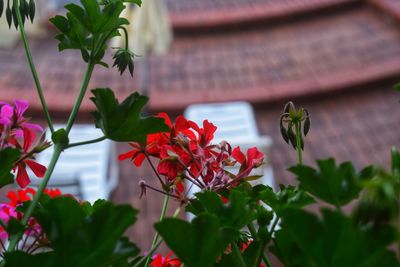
(89, 172)
(149, 30)
(236, 125)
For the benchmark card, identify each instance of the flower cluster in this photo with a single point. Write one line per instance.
(186, 153)
(16, 132)
(167, 261)
(8, 211)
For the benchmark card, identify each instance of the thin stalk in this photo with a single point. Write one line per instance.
(82, 92)
(274, 224)
(87, 142)
(298, 144)
(54, 158)
(151, 252)
(253, 233)
(155, 239)
(32, 66)
(238, 254)
(155, 170)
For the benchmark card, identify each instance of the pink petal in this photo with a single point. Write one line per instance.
(21, 106)
(32, 126)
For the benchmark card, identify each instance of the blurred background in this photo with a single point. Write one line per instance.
(337, 58)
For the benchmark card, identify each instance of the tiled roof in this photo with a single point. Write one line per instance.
(211, 13)
(294, 59)
(61, 75)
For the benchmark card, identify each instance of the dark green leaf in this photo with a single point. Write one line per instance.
(287, 197)
(337, 185)
(32, 10)
(14, 227)
(397, 87)
(395, 162)
(306, 240)
(207, 241)
(80, 239)
(8, 157)
(9, 16)
(1, 7)
(124, 122)
(283, 131)
(236, 213)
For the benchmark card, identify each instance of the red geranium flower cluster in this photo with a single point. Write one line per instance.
(167, 261)
(33, 229)
(16, 132)
(186, 152)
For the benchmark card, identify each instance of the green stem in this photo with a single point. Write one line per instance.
(156, 236)
(253, 233)
(274, 224)
(87, 142)
(238, 254)
(82, 92)
(298, 144)
(32, 66)
(126, 37)
(56, 154)
(151, 252)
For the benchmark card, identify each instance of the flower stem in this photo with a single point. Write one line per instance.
(156, 236)
(253, 233)
(87, 142)
(238, 254)
(82, 92)
(298, 144)
(54, 158)
(32, 66)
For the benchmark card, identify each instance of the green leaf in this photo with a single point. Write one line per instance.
(124, 122)
(235, 214)
(198, 243)
(395, 162)
(88, 27)
(397, 87)
(337, 185)
(306, 240)
(287, 197)
(1, 7)
(80, 239)
(8, 157)
(14, 227)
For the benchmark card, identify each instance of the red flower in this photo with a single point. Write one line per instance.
(20, 196)
(136, 155)
(205, 134)
(155, 142)
(160, 261)
(253, 160)
(173, 160)
(38, 169)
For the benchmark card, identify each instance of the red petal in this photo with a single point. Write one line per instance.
(139, 159)
(22, 176)
(209, 130)
(29, 137)
(38, 169)
(127, 155)
(166, 118)
(238, 155)
(181, 124)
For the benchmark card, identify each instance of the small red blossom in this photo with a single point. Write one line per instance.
(253, 160)
(160, 261)
(27, 146)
